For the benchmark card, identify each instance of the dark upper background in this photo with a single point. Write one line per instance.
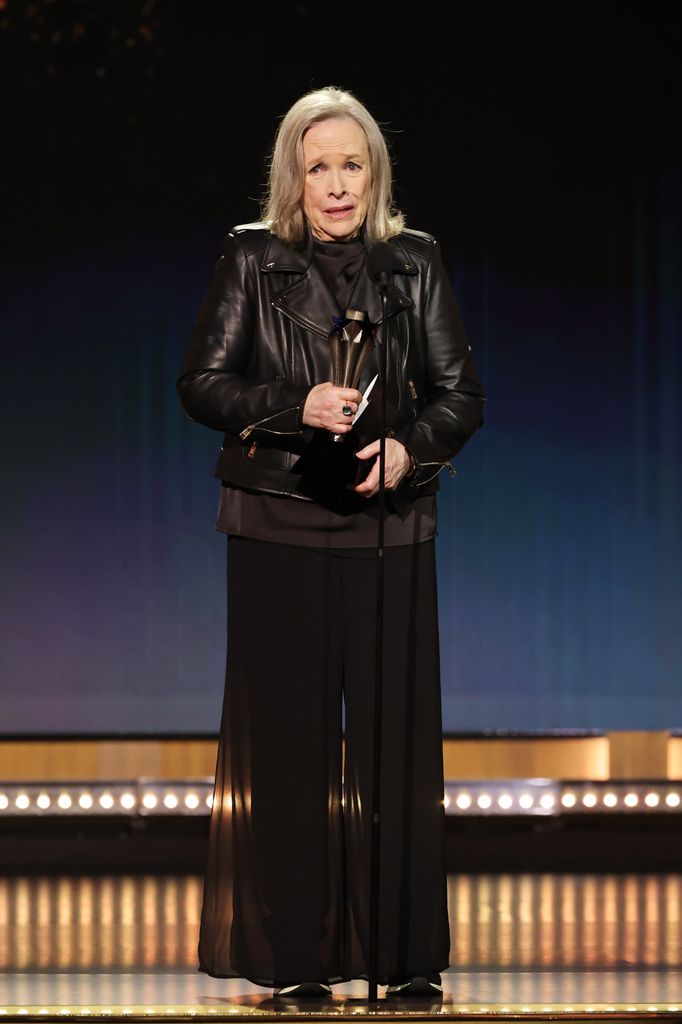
(539, 144)
(509, 124)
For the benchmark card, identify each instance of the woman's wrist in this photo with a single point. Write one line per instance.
(413, 468)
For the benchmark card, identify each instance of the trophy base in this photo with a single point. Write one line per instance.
(329, 469)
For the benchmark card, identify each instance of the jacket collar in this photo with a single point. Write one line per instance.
(307, 298)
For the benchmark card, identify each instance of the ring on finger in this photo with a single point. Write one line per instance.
(347, 410)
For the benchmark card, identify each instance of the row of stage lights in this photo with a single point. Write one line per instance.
(143, 797)
(146, 797)
(552, 797)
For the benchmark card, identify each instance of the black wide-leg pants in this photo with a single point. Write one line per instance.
(286, 890)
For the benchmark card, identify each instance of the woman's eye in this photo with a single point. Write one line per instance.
(319, 168)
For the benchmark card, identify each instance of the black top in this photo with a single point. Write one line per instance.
(340, 262)
(287, 520)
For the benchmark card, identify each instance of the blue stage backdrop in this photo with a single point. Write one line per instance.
(559, 548)
(542, 152)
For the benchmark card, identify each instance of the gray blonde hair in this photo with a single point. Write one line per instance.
(282, 208)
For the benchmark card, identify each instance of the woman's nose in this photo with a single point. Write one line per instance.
(336, 185)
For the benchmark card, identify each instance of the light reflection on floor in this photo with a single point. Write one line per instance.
(122, 922)
(508, 921)
(524, 942)
(565, 920)
(467, 994)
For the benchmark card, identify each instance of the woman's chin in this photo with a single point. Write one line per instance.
(340, 232)
(335, 230)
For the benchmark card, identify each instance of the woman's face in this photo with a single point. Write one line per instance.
(337, 178)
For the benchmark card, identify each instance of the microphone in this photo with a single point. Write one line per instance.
(381, 262)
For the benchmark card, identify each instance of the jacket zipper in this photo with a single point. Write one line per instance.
(296, 319)
(251, 427)
(451, 469)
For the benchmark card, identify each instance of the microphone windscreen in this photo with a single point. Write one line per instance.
(381, 260)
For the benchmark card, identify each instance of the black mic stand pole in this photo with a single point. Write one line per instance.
(382, 363)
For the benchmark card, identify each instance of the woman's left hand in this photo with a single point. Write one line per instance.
(397, 463)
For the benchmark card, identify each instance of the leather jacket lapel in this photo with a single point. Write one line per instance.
(366, 296)
(307, 300)
(366, 293)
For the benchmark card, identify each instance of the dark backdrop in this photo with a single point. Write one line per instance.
(538, 143)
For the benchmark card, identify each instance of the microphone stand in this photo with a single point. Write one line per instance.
(382, 363)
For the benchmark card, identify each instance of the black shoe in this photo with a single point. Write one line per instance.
(415, 985)
(303, 988)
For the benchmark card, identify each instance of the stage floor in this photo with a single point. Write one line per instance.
(491, 994)
(523, 946)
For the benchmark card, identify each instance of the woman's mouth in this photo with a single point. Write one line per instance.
(338, 212)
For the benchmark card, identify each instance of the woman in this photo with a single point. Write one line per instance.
(286, 894)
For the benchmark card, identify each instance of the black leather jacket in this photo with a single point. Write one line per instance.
(260, 344)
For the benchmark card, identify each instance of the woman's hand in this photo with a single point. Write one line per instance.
(324, 407)
(397, 463)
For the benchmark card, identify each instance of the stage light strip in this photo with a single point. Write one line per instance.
(137, 797)
(147, 797)
(552, 797)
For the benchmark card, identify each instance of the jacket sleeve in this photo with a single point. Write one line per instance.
(213, 386)
(454, 396)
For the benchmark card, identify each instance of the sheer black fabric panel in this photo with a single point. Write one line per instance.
(286, 891)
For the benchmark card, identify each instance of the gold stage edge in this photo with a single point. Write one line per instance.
(615, 755)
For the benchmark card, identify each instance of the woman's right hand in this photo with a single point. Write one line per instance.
(324, 407)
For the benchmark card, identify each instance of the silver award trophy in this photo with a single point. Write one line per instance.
(327, 468)
(350, 341)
